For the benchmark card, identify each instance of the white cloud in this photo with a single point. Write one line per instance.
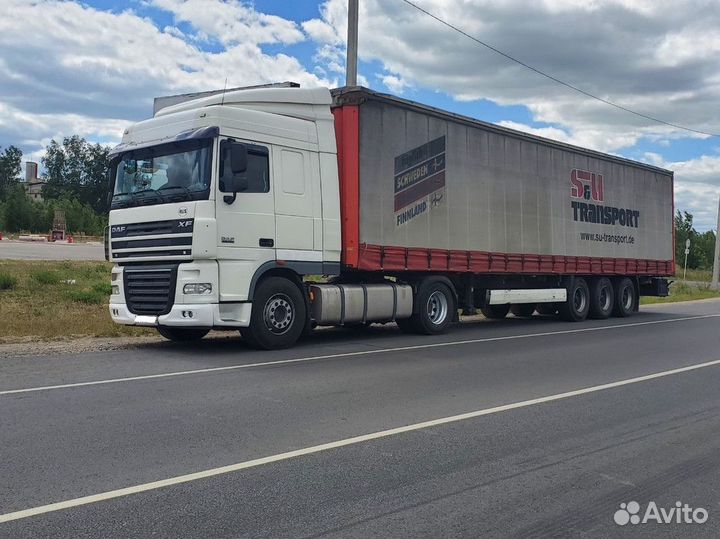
(627, 51)
(91, 72)
(394, 83)
(232, 22)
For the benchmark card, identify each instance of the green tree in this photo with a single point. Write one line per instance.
(702, 246)
(705, 248)
(10, 161)
(77, 169)
(19, 213)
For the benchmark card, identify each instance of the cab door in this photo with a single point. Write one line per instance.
(246, 219)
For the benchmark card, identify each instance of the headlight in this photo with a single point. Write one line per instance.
(115, 290)
(197, 288)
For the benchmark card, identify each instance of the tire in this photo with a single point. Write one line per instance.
(435, 309)
(625, 298)
(495, 312)
(602, 298)
(546, 309)
(278, 315)
(577, 306)
(522, 310)
(182, 334)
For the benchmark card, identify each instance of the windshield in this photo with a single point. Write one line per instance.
(167, 173)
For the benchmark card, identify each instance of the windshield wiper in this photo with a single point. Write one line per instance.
(168, 187)
(186, 191)
(144, 194)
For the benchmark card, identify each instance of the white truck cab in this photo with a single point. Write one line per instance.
(212, 195)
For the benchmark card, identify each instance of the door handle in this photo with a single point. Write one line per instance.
(266, 242)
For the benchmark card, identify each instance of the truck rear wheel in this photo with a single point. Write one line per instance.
(278, 315)
(182, 334)
(602, 298)
(523, 310)
(435, 309)
(495, 312)
(625, 298)
(577, 306)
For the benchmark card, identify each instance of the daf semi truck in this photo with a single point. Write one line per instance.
(274, 210)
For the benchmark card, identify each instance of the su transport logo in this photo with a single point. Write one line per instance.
(588, 188)
(680, 513)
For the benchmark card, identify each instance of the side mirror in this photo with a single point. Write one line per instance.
(238, 158)
(234, 184)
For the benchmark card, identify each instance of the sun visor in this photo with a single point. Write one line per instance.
(190, 134)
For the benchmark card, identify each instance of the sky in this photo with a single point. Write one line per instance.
(92, 68)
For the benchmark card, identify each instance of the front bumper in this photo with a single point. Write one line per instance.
(188, 310)
(189, 315)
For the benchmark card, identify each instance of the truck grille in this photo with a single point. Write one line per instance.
(158, 240)
(150, 290)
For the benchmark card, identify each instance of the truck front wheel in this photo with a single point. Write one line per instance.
(577, 306)
(182, 334)
(278, 315)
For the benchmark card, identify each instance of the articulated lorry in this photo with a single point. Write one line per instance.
(275, 210)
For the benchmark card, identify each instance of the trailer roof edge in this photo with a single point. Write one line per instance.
(358, 94)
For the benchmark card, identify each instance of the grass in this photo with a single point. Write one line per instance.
(45, 277)
(683, 292)
(7, 281)
(694, 274)
(37, 299)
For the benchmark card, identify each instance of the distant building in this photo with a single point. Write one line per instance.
(32, 184)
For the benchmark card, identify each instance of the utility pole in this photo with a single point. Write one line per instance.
(352, 44)
(716, 263)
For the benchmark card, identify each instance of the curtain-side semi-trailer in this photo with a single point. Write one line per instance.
(224, 207)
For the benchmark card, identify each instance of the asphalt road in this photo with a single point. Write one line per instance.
(22, 250)
(563, 423)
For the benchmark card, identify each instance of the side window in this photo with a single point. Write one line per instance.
(293, 170)
(258, 167)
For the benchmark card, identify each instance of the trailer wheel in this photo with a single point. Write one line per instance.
(182, 334)
(625, 298)
(546, 309)
(278, 315)
(577, 306)
(602, 298)
(495, 312)
(435, 309)
(522, 310)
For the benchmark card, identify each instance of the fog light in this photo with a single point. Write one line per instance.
(197, 288)
(115, 290)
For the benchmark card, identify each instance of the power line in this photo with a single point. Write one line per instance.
(555, 79)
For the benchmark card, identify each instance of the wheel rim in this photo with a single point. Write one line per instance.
(627, 298)
(605, 298)
(278, 314)
(437, 307)
(579, 300)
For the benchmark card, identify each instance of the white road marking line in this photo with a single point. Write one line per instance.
(119, 493)
(349, 354)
